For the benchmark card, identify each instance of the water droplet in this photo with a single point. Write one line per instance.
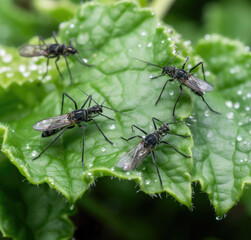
(26, 74)
(9, 75)
(207, 36)
(127, 173)
(143, 33)
(239, 138)
(89, 174)
(218, 218)
(28, 146)
(72, 207)
(229, 104)
(139, 45)
(206, 113)
(162, 41)
(67, 32)
(237, 105)
(149, 44)
(47, 78)
(241, 161)
(247, 48)
(7, 58)
(2, 52)
(90, 164)
(72, 25)
(112, 127)
(186, 43)
(103, 149)
(247, 108)
(207, 73)
(230, 115)
(249, 95)
(112, 169)
(22, 68)
(171, 93)
(239, 92)
(153, 13)
(34, 153)
(148, 182)
(210, 134)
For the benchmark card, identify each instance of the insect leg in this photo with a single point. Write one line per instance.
(106, 117)
(181, 91)
(88, 99)
(178, 134)
(47, 64)
(130, 138)
(65, 94)
(158, 76)
(208, 105)
(58, 67)
(169, 80)
(54, 140)
(202, 66)
(138, 129)
(68, 68)
(175, 149)
(183, 67)
(83, 144)
(54, 36)
(41, 40)
(157, 169)
(154, 124)
(102, 132)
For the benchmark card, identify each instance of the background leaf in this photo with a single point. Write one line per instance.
(223, 143)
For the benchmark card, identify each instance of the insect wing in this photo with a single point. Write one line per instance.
(132, 159)
(198, 84)
(33, 51)
(52, 123)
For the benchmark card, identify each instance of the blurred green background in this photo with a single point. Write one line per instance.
(114, 209)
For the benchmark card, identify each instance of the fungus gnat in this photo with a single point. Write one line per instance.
(53, 50)
(61, 123)
(198, 86)
(133, 158)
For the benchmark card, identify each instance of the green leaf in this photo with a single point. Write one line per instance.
(30, 212)
(117, 33)
(223, 143)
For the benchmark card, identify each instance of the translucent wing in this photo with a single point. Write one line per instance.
(198, 85)
(53, 123)
(33, 50)
(132, 159)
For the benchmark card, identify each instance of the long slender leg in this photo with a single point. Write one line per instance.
(54, 140)
(65, 94)
(181, 91)
(107, 117)
(54, 36)
(83, 144)
(158, 76)
(58, 67)
(68, 68)
(46, 71)
(154, 124)
(41, 39)
(88, 99)
(208, 105)
(169, 80)
(130, 138)
(178, 134)
(183, 67)
(157, 169)
(102, 132)
(175, 149)
(202, 66)
(138, 129)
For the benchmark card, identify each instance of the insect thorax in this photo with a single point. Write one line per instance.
(151, 140)
(79, 115)
(181, 74)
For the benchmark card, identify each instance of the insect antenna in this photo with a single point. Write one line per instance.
(175, 56)
(149, 63)
(81, 61)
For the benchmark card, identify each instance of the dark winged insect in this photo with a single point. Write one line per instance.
(53, 50)
(133, 158)
(63, 122)
(198, 86)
